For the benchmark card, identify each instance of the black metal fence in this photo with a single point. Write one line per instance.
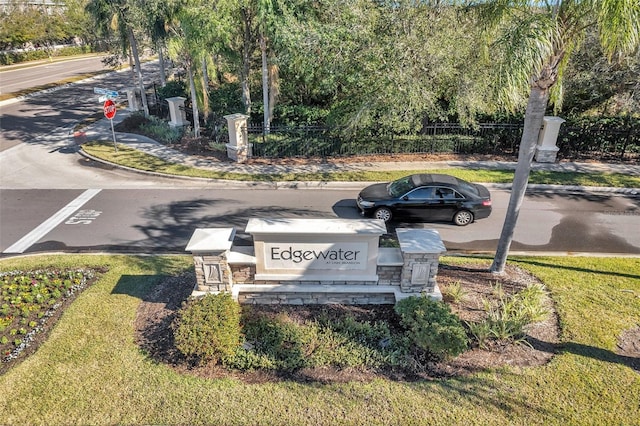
(602, 143)
(317, 141)
(574, 142)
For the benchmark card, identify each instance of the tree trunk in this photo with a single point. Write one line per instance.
(136, 58)
(274, 89)
(216, 66)
(205, 90)
(246, 62)
(533, 120)
(194, 101)
(265, 86)
(163, 71)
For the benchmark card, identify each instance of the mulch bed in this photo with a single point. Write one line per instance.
(157, 312)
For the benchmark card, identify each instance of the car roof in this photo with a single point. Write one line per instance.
(426, 179)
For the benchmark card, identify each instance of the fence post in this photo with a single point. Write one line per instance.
(546, 149)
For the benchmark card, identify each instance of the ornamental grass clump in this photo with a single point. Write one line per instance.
(507, 319)
(207, 329)
(432, 326)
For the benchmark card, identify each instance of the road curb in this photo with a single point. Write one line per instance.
(357, 185)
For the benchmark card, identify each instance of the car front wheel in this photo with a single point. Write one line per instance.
(463, 218)
(383, 213)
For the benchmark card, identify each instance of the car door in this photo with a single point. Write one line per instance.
(448, 202)
(418, 202)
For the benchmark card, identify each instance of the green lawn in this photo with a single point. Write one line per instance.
(90, 370)
(129, 157)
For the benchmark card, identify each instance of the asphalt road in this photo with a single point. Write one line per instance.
(55, 111)
(162, 220)
(51, 198)
(13, 79)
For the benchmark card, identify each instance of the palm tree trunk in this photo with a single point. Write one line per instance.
(205, 90)
(163, 71)
(194, 101)
(265, 86)
(246, 62)
(136, 58)
(534, 116)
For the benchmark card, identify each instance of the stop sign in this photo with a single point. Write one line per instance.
(109, 109)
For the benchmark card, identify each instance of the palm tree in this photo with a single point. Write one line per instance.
(198, 28)
(117, 16)
(535, 41)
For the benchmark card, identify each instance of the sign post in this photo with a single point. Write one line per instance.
(110, 112)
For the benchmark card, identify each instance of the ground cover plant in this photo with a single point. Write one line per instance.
(29, 304)
(100, 363)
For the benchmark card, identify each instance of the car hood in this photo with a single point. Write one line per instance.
(377, 191)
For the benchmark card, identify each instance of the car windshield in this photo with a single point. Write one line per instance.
(400, 187)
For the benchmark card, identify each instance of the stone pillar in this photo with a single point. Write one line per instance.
(176, 112)
(210, 248)
(238, 149)
(421, 249)
(546, 149)
(133, 99)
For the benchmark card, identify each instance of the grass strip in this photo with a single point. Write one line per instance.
(90, 371)
(135, 159)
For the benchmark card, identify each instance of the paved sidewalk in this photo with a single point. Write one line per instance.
(102, 130)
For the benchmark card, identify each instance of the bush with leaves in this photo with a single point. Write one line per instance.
(432, 326)
(172, 89)
(207, 329)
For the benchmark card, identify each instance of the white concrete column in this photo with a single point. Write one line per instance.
(547, 150)
(133, 99)
(176, 112)
(238, 148)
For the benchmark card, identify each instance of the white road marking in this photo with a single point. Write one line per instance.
(45, 227)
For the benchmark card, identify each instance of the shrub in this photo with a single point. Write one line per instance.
(172, 89)
(208, 329)
(279, 340)
(160, 130)
(432, 326)
(281, 343)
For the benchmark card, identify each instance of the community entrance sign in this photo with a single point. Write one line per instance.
(316, 250)
(316, 261)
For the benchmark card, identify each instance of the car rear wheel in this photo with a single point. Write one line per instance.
(463, 218)
(383, 213)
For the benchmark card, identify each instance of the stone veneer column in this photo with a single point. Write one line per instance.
(421, 249)
(210, 248)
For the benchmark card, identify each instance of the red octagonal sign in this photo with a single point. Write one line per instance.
(109, 109)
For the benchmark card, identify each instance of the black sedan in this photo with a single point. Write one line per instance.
(432, 197)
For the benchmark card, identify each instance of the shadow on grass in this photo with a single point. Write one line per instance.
(587, 351)
(571, 268)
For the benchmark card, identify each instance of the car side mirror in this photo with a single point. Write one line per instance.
(405, 198)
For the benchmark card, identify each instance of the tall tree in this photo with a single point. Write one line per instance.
(198, 28)
(120, 17)
(535, 41)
